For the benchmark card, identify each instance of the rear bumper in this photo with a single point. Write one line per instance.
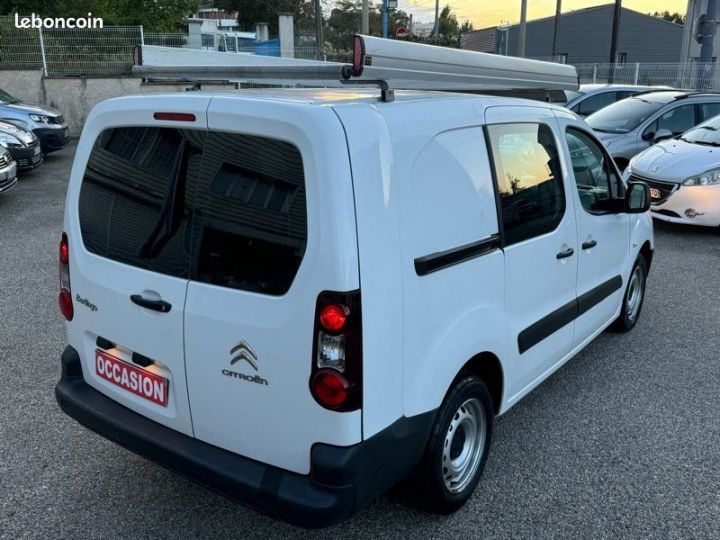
(342, 479)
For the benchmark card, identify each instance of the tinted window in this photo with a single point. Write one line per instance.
(709, 110)
(590, 169)
(624, 115)
(595, 103)
(527, 170)
(220, 208)
(249, 227)
(133, 206)
(678, 120)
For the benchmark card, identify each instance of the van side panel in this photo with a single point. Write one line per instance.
(375, 181)
(453, 312)
(420, 189)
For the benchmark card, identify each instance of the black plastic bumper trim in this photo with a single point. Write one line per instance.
(437, 261)
(566, 314)
(341, 481)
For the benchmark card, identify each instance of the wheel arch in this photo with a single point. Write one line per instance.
(647, 252)
(488, 367)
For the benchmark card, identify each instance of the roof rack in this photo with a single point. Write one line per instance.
(389, 64)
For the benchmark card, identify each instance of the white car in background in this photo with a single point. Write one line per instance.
(590, 98)
(683, 175)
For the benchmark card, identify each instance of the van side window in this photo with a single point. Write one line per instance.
(249, 226)
(132, 205)
(591, 170)
(529, 179)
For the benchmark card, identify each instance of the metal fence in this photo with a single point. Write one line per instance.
(108, 52)
(692, 76)
(69, 52)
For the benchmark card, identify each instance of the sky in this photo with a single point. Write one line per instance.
(484, 13)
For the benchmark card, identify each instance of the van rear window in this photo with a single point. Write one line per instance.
(220, 208)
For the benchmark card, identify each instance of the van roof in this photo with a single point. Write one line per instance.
(333, 96)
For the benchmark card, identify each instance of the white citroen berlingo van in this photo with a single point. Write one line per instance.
(299, 298)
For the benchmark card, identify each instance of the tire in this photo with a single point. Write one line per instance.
(633, 298)
(468, 410)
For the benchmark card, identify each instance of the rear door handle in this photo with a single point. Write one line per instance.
(569, 252)
(589, 244)
(155, 305)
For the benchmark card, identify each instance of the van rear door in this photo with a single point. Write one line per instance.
(128, 225)
(273, 227)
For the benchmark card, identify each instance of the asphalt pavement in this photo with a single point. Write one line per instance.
(622, 442)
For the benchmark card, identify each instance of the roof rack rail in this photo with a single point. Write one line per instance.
(389, 64)
(691, 94)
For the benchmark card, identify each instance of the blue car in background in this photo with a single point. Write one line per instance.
(46, 123)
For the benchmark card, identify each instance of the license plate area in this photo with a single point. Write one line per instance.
(130, 378)
(655, 193)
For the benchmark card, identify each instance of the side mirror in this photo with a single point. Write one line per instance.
(637, 198)
(661, 135)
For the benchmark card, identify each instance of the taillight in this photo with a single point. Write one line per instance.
(333, 317)
(330, 388)
(174, 116)
(65, 297)
(358, 55)
(336, 377)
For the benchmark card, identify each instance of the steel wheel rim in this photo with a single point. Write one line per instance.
(464, 445)
(635, 294)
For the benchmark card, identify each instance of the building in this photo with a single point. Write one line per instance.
(585, 37)
(422, 29)
(215, 29)
(690, 46)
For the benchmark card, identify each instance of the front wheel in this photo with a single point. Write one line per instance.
(456, 453)
(634, 297)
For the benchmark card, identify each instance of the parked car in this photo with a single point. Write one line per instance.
(255, 297)
(684, 176)
(46, 123)
(8, 170)
(630, 126)
(590, 98)
(23, 145)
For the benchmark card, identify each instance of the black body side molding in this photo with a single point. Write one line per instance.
(566, 314)
(442, 259)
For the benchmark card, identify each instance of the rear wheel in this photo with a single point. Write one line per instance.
(456, 453)
(634, 297)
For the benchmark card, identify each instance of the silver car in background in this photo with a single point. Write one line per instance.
(628, 127)
(8, 170)
(590, 98)
(46, 123)
(683, 175)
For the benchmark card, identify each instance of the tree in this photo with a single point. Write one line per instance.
(448, 23)
(677, 18)
(344, 22)
(255, 11)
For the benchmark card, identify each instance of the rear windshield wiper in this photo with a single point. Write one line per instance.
(171, 211)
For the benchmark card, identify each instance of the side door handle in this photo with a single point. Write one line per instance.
(155, 305)
(569, 252)
(589, 244)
